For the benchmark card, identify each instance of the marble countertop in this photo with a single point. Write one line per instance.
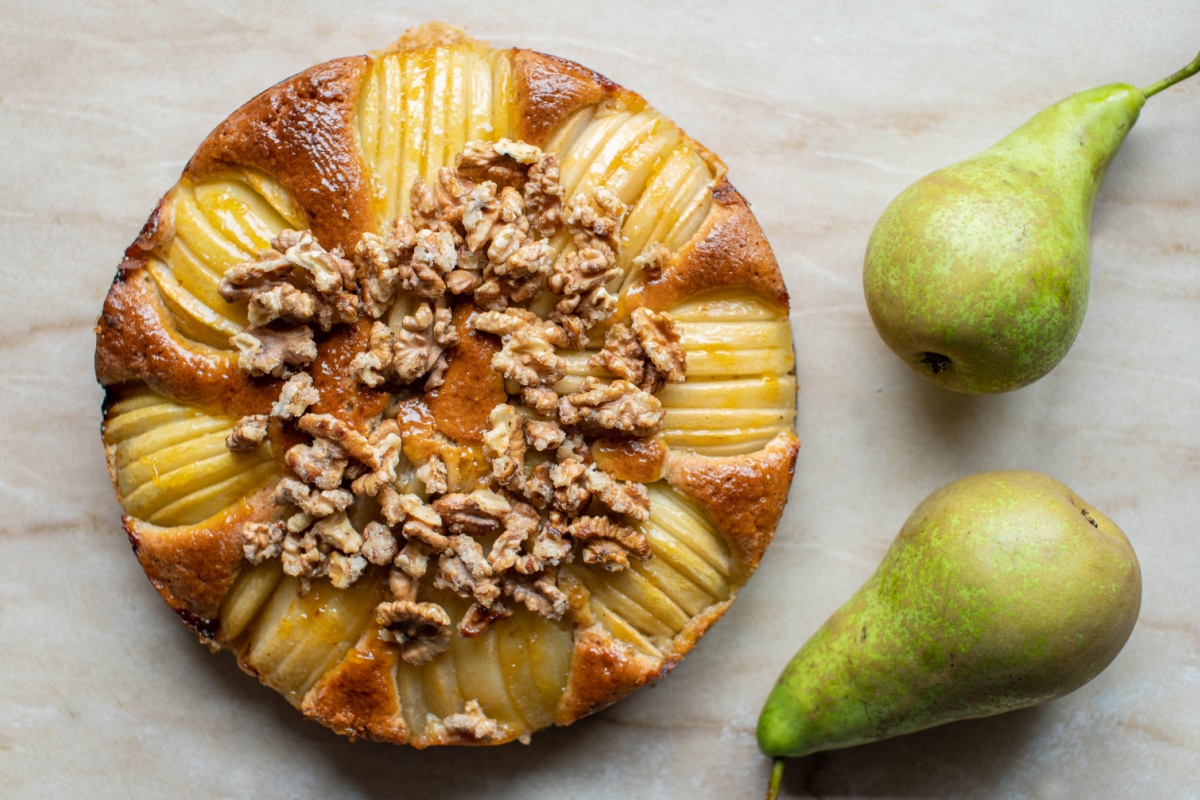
(823, 112)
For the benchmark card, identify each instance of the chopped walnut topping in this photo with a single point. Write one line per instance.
(434, 475)
(622, 497)
(422, 630)
(379, 545)
(316, 504)
(297, 394)
(303, 558)
(660, 338)
(574, 446)
(646, 353)
(529, 358)
(242, 281)
(551, 546)
(435, 256)
(321, 464)
(538, 487)
(520, 259)
(328, 272)
(618, 406)
(370, 366)
(411, 564)
(480, 214)
(385, 444)
(378, 274)
(506, 322)
(506, 240)
(262, 540)
(624, 357)
(519, 524)
(345, 570)
(505, 162)
(383, 263)
(541, 596)
(337, 532)
(578, 314)
(500, 291)
(541, 399)
(282, 301)
(504, 444)
(607, 543)
(336, 431)
(419, 520)
(423, 337)
(402, 585)
(479, 513)
(248, 433)
(543, 197)
(653, 260)
(520, 152)
(462, 281)
(264, 351)
(451, 193)
(464, 570)
(583, 271)
(543, 435)
(480, 232)
(471, 724)
(571, 494)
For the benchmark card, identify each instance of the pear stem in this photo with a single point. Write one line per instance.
(776, 779)
(1187, 72)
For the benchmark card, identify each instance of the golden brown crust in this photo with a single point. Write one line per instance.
(301, 133)
(550, 89)
(193, 566)
(461, 405)
(729, 252)
(358, 697)
(743, 495)
(603, 670)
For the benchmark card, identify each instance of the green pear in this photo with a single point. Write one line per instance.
(1002, 590)
(977, 275)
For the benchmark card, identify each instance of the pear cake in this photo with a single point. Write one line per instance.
(451, 389)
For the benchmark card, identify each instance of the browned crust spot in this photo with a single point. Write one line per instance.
(603, 670)
(300, 132)
(193, 566)
(345, 399)
(358, 697)
(631, 458)
(743, 495)
(550, 89)
(729, 252)
(460, 406)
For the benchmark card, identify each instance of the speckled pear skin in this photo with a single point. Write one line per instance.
(977, 275)
(1002, 590)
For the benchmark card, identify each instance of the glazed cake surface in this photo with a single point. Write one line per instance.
(451, 389)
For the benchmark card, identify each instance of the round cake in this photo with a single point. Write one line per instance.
(451, 389)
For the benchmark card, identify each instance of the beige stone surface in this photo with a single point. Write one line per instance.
(823, 112)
